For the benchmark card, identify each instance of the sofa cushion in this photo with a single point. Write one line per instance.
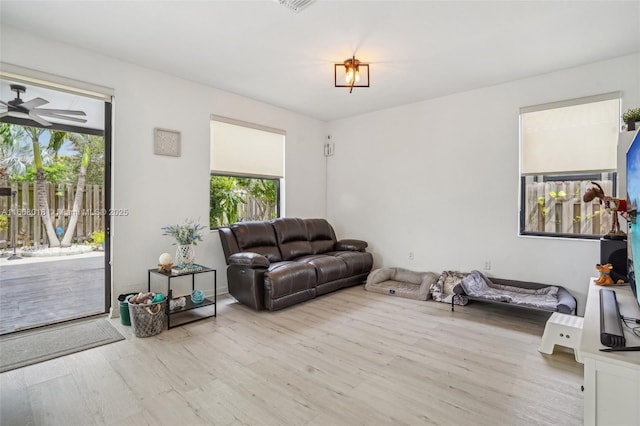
(357, 262)
(328, 268)
(285, 278)
(291, 234)
(320, 235)
(257, 237)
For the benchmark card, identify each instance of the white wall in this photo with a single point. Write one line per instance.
(440, 178)
(159, 190)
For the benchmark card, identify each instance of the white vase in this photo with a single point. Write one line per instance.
(185, 254)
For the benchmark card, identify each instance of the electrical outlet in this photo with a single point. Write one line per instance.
(487, 265)
(410, 255)
(329, 149)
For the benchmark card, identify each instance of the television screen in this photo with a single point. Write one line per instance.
(633, 198)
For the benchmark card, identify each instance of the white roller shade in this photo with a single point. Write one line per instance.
(574, 136)
(248, 151)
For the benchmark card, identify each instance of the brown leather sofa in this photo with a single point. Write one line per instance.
(286, 261)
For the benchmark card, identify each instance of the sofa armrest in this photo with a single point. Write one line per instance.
(253, 260)
(351, 245)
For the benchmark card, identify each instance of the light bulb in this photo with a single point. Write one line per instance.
(348, 77)
(357, 76)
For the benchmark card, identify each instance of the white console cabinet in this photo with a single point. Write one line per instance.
(611, 379)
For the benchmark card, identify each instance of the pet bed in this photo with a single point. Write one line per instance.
(401, 282)
(476, 286)
(442, 289)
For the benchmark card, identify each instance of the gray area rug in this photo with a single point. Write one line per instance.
(31, 347)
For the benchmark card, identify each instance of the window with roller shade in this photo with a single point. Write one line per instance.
(247, 168)
(564, 147)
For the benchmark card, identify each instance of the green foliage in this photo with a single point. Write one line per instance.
(56, 139)
(16, 151)
(559, 195)
(261, 189)
(5, 135)
(224, 200)
(631, 114)
(56, 172)
(96, 239)
(95, 168)
(4, 222)
(228, 194)
(61, 157)
(185, 234)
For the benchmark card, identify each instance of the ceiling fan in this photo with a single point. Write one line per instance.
(29, 110)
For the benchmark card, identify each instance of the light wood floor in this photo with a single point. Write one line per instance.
(347, 358)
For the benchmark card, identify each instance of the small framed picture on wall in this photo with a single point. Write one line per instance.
(166, 142)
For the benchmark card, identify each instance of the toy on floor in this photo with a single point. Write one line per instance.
(615, 205)
(605, 275)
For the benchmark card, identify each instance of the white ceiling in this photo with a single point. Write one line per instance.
(417, 49)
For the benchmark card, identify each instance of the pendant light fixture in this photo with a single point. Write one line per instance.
(351, 73)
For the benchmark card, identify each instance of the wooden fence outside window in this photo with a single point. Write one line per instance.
(557, 207)
(28, 217)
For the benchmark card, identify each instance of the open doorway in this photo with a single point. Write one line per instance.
(54, 212)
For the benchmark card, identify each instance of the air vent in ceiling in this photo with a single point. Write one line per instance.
(295, 5)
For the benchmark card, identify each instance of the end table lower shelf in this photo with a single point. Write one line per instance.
(191, 311)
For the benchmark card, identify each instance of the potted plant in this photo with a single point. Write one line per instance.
(187, 236)
(96, 239)
(630, 117)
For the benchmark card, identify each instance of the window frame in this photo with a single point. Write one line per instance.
(559, 178)
(277, 178)
(594, 175)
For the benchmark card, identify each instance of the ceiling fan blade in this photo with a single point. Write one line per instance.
(39, 120)
(5, 104)
(33, 103)
(43, 111)
(59, 116)
(17, 114)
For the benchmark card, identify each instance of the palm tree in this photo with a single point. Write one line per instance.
(77, 201)
(42, 202)
(11, 144)
(223, 207)
(15, 153)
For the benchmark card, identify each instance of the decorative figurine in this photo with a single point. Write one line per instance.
(605, 274)
(615, 205)
(165, 263)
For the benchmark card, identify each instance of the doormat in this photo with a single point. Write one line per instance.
(31, 347)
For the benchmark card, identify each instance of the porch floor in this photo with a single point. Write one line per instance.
(39, 291)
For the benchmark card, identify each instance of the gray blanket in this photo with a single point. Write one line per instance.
(477, 285)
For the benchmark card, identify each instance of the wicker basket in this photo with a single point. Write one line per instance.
(147, 320)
